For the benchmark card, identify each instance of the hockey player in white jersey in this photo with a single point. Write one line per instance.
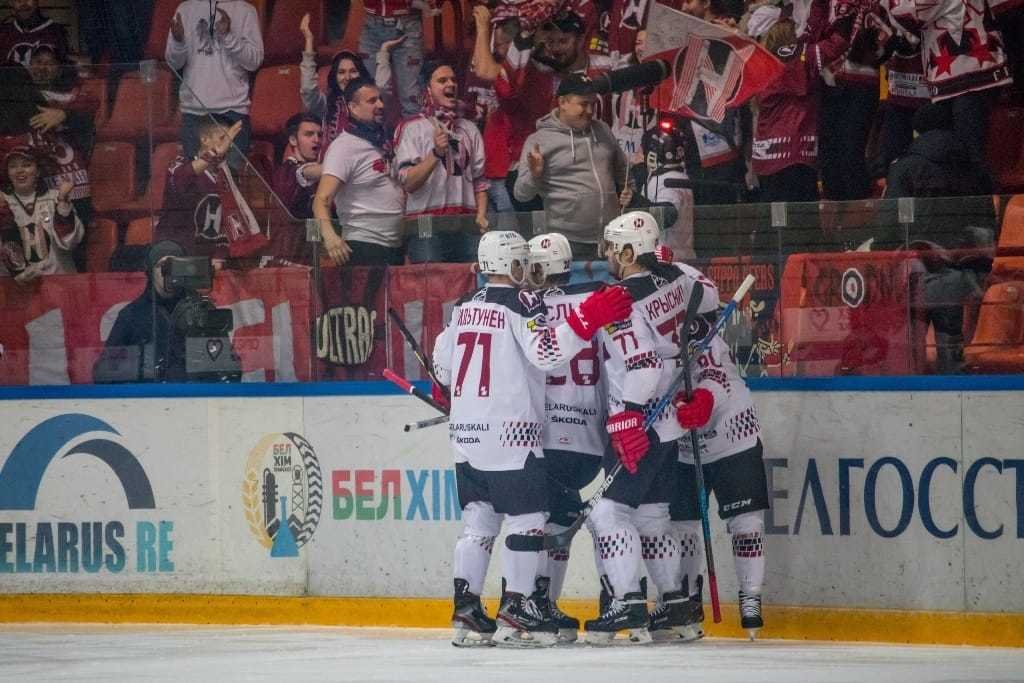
(723, 413)
(574, 413)
(492, 359)
(632, 519)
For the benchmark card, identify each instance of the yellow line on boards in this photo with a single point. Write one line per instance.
(797, 623)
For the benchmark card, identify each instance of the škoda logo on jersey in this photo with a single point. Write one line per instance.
(282, 494)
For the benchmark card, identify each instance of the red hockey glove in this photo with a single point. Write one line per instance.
(629, 438)
(663, 254)
(599, 309)
(697, 411)
(440, 395)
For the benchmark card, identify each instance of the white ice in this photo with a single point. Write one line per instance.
(183, 654)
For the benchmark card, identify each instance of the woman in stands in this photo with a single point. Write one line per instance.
(346, 66)
(38, 226)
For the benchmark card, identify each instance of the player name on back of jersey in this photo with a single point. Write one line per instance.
(475, 316)
(673, 298)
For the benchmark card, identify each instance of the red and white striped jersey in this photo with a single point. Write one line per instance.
(494, 356)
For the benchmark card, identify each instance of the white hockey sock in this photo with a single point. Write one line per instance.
(598, 562)
(691, 552)
(473, 548)
(555, 563)
(618, 544)
(747, 532)
(658, 546)
(521, 566)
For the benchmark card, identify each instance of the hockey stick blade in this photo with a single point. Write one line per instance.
(423, 424)
(521, 542)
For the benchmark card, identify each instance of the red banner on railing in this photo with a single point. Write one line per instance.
(53, 330)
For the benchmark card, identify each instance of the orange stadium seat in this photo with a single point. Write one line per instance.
(998, 343)
(150, 201)
(138, 106)
(1010, 249)
(112, 176)
(140, 231)
(282, 42)
(101, 241)
(275, 98)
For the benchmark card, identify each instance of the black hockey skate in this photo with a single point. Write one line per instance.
(473, 628)
(750, 613)
(567, 627)
(678, 615)
(626, 614)
(521, 623)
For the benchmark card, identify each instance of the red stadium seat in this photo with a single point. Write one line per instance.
(140, 231)
(261, 156)
(353, 27)
(112, 176)
(282, 42)
(446, 34)
(159, 26)
(96, 89)
(101, 241)
(275, 98)
(151, 201)
(1006, 148)
(139, 106)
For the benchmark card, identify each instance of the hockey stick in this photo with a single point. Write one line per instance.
(522, 542)
(408, 388)
(422, 424)
(702, 494)
(411, 341)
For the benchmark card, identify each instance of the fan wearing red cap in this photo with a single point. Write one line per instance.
(38, 226)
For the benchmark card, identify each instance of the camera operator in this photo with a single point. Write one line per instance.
(170, 333)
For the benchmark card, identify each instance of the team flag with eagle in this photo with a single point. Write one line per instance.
(711, 68)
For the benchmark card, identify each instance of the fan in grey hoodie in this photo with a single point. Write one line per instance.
(573, 162)
(217, 45)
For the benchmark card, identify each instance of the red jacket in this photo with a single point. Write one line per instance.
(786, 133)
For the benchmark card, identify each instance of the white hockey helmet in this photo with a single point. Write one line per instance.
(550, 254)
(500, 250)
(637, 229)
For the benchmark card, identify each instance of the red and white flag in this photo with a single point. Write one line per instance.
(712, 68)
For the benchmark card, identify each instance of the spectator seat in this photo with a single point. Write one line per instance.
(1009, 258)
(97, 89)
(353, 27)
(139, 106)
(275, 98)
(282, 42)
(112, 176)
(261, 156)
(998, 342)
(151, 200)
(101, 241)
(446, 33)
(1006, 147)
(139, 232)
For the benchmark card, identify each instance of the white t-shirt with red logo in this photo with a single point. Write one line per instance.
(371, 204)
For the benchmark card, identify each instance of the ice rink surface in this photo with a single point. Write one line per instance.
(62, 652)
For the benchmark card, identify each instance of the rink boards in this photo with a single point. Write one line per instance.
(897, 515)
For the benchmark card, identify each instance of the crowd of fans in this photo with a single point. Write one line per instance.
(514, 124)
